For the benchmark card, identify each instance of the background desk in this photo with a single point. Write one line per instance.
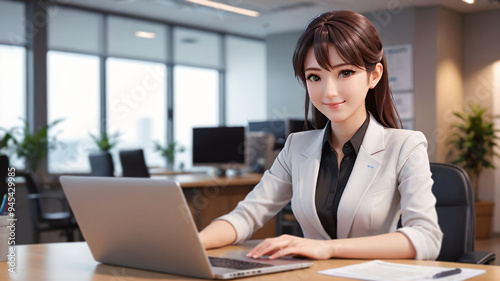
(73, 261)
(210, 197)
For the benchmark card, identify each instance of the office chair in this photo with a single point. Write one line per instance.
(101, 164)
(4, 166)
(456, 215)
(47, 221)
(286, 222)
(133, 163)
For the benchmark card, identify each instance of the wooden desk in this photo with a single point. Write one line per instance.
(73, 261)
(210, 197)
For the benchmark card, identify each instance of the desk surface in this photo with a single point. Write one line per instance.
(73, 261)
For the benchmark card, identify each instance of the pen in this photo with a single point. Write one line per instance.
(4, 203)
(446, 273)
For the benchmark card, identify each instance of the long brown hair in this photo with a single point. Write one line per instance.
(358, 43)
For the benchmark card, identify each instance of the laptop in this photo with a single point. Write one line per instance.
(146, 223)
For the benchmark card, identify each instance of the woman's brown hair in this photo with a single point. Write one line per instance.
(358, 43)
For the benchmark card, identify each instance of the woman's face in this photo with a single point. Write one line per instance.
(339, 93)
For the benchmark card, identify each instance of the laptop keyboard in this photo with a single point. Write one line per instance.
(236, 264)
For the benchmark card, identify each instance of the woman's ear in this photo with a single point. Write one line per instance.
(375, 75)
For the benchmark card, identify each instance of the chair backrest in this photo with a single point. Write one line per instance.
(31, 184)
(101, 164)
(133, 163)
(455, 210)
(36, 206)
(259, 150)
(4, 166)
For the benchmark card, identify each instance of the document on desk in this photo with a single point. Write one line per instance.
(386, 271)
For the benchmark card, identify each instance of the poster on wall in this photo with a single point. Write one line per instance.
(404, 104)
(400, 64)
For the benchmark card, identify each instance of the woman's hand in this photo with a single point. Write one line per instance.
(285, 245)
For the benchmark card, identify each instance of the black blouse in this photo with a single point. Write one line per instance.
(332, 181)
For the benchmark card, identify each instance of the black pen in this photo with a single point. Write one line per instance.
(446, 273)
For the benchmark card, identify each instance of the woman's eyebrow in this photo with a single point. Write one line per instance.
(335, 66)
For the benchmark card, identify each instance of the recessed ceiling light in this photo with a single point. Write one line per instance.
(145, 34)
(225, 7)
(469, 1)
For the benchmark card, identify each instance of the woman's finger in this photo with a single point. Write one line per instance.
(268, 246)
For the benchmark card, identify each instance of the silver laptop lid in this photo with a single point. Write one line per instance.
(131, 222)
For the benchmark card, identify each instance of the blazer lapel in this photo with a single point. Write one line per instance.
(308, 176)
(363, 173)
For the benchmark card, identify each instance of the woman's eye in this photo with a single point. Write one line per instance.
(346, 73)
(313, 78)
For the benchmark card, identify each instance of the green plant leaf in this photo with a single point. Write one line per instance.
(473, 139)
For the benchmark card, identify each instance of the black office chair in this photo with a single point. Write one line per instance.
(101, 164)
(456, 215)
(133, 163)
(4, 166)
(286, 222)
(47, 221)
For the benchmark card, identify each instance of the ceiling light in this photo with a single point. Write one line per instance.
(145, 34)
(225, 7)
(469, 1)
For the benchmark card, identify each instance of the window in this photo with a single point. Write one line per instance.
(12, 69)
(12, 23)
(75, 30)
(12, 90)
(133, 92)
(136, 106)
(196, 104)
(73, 95)
(12, 86)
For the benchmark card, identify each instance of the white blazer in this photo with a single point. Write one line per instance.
(391, 176)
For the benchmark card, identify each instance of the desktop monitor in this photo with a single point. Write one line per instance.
(219, 147)
(297, 125)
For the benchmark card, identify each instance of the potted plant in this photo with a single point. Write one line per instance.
(104, 141)
(168, 152)
(474, 140)
(4, 142)
(32, 147)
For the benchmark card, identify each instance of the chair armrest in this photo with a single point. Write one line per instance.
(477, 257)
(58, 197)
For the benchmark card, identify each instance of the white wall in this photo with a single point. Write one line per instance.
(285, 96)
(481, 83)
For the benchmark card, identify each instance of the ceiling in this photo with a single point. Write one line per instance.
(277, 16)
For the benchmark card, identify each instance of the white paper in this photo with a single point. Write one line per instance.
(385, 271)
(400, 63)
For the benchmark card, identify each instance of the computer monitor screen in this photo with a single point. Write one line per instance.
(221, 147)
(298, 125)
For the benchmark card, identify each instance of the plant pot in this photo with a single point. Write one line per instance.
(484, 218)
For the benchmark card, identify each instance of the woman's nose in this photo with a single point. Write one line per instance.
(330, 88)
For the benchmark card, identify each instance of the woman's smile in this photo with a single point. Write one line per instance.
(334, 105)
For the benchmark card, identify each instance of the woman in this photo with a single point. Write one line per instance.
(350, 182)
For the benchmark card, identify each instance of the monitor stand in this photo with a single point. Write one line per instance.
(222, 173)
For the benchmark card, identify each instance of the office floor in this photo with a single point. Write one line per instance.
(492, 245)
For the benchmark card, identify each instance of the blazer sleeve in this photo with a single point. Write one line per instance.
(419, 217)
(268, 197)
